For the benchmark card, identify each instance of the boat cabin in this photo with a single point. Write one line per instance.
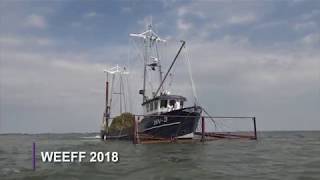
(163, 103)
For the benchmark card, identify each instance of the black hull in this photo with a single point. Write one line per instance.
(125, 134)
(171, 124)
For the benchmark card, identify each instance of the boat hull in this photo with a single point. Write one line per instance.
(173, 124)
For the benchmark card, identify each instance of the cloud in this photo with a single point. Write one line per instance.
(311, 39)
(182, 11)
(43, 82)
(16, 41)
(126, 9)
(187, 10)
(184, 25)
(272, 24)
(310, 15)
(9, 41)
(305, 26)
(53, 82)
(233, 74)
(36, 21)
(242, 19)
(76, 24)
(90, 14)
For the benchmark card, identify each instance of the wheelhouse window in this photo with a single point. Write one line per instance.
(155, 104)
(147, 107)
(151, 106)
(163, 104)
(172, 102)
(181, 104)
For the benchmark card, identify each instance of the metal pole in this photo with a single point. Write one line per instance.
(137, 130)
(34, 156)
(145, 71)
(134, 131)
(107, 95)
(202, 129)
(107, 92)
(255, 128)
(107, 113)
(120, 94)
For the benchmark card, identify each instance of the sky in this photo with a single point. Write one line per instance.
(256, 58)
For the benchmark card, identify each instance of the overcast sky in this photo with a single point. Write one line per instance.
(256, 58)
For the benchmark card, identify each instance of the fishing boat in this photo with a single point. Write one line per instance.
(165, 115)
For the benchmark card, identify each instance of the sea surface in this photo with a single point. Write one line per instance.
(276, 155)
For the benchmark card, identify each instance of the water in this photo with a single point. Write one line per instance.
(276, 155)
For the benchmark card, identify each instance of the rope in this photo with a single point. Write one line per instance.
(210, 117)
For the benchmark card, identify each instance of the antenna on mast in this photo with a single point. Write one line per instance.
(150, 40)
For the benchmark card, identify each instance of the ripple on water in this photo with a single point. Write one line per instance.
(274, 156)
(9, 171)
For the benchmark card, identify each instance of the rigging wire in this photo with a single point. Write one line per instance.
(140, 53)
(112, 85)
(123, 93)
(164, 51)
(139, 56)
(190, 76)
(214, 122)
(159, 65)
(150, 83)
(129, 94)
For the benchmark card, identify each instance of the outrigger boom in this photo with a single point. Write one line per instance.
(174, 60)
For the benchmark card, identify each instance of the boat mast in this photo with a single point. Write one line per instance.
(150, 39)
(107, 113)
(159, 65)
(107, 107)
(115, 70)
(120, 92)
(145, 62)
